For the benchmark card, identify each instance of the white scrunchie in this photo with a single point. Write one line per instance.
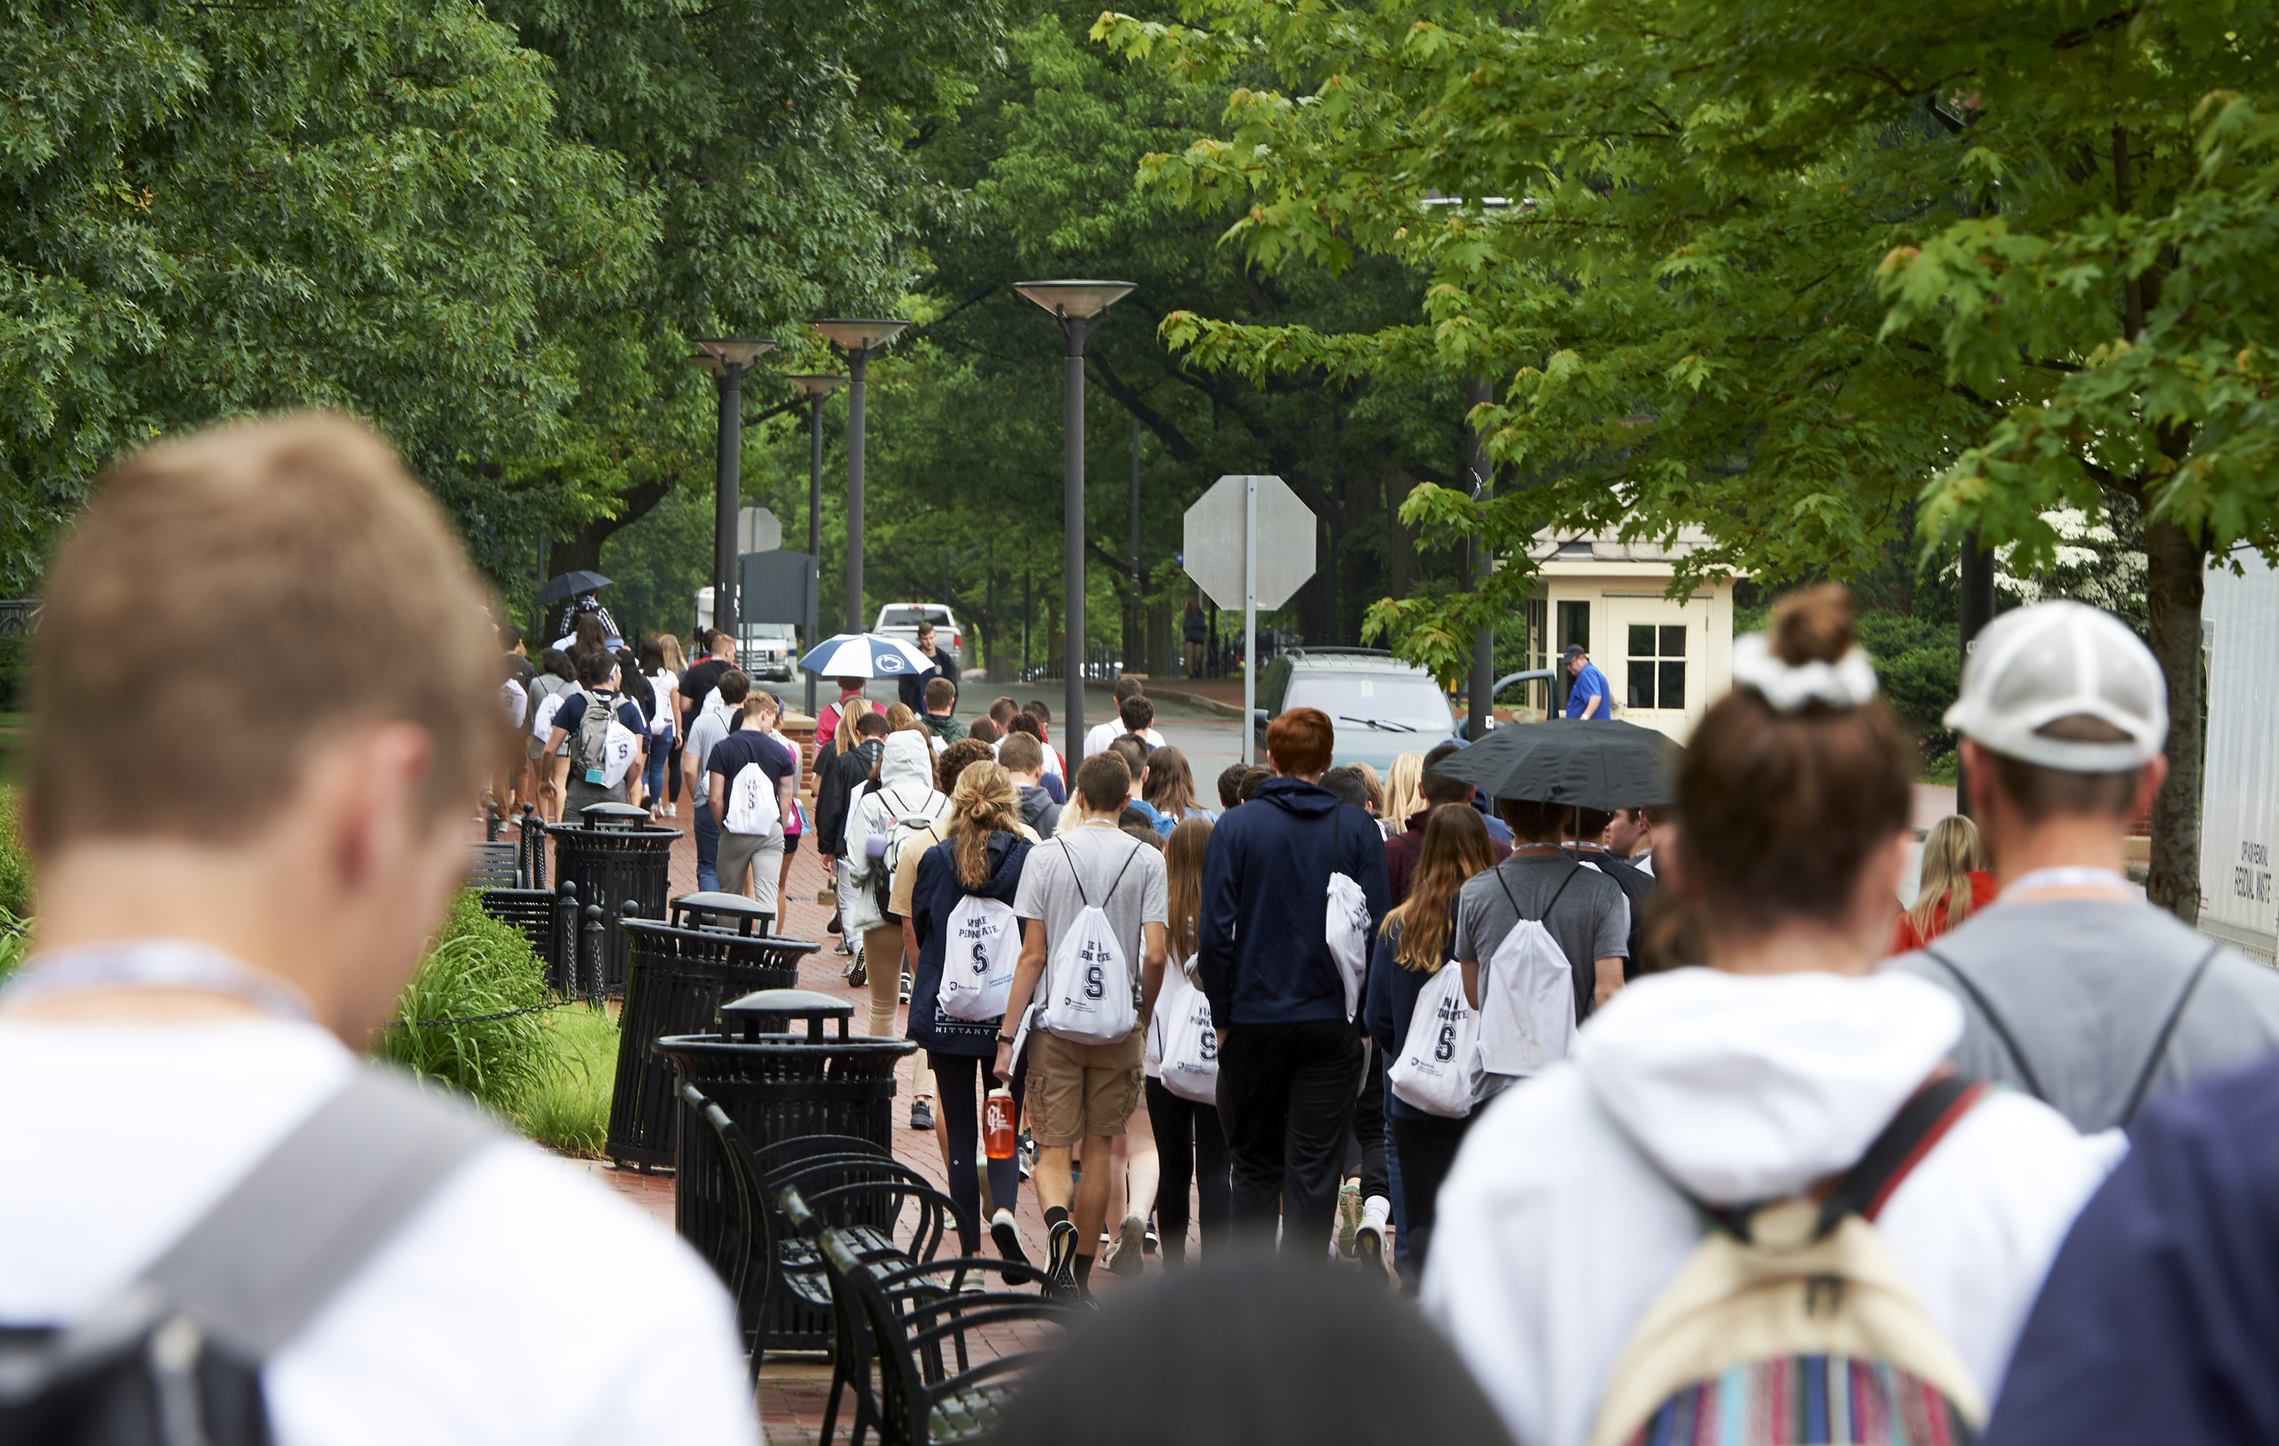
(1849, 682)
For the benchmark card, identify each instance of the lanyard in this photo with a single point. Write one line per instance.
(157, 964)
(2050, 881)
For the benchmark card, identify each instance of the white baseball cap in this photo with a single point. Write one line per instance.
(2056, 660)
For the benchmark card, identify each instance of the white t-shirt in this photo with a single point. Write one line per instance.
(519, 1303)
(1103, 734)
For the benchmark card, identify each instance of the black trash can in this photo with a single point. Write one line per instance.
(776, 1082)
(675, 983)
(620, 863)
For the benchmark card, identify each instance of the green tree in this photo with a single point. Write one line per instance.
(1752, 280)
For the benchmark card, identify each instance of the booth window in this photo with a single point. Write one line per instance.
(1657, 665)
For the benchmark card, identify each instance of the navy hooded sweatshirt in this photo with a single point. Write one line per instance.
(2158, 1318)
(935, 898)
(1264, 939)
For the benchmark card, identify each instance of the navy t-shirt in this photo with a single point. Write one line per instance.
(746, 746)
(573, 712)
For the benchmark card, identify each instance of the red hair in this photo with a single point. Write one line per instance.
(1300, 742)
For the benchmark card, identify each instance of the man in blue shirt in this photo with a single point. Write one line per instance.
(1588, 696)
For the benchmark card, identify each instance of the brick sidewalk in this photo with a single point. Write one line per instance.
(793, 1390)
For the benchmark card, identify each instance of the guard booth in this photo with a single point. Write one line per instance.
(1667, 660)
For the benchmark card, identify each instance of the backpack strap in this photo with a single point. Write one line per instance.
(1994, 1022)
(1119, 878)
(1556, 894)
(2167, 1033)
(315, 1209)
(1912, 1134)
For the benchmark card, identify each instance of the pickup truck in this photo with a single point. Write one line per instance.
(900, 620)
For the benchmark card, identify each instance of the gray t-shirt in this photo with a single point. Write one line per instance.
(2085, 987)
(1590, 921)
(1082, 864)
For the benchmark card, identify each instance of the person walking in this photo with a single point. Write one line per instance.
(752, 776)
(910, 848)
(1023, 759)
(840, 776)
(699, 680)
(978, 865)
(1056, 762)
(880, 823)
(1190, 1146)
(1170, 790)
(2072, 987)
(1437, 791)
(940, 716)
(1129, 686)
(1289, 1048)
(1404, 792)
(597, 735)
(1582, 909)
(1195, 628)
(1092, 953)
(1415, 943)
(196, 1040)
(664, 728)
(1588, 693)
(556, 678)
(1578, 1200)
(1630, 835)
(709, 727)
(1048, 762)
(1586, 845)
(2156, 1321)
(851, 700)
(1954, 884)
(911, 687)
(672, 665)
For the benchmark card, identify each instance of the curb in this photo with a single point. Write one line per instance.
(1197, 700)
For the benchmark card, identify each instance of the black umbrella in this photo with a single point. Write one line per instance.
(1586, 764)
(572, 584)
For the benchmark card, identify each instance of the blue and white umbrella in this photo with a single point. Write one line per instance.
(864, 655)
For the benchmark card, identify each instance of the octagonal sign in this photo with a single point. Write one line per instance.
(1215, 541)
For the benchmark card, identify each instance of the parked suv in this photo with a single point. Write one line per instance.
(900, 620)
(1381, 706)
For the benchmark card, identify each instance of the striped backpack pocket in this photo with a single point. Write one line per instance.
(1790, 1325)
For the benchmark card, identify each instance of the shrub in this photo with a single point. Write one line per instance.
(459, 1022)
(15, 863)
(567, 1107)
(14, 932)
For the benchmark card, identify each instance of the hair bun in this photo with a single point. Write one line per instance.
(1813, 626)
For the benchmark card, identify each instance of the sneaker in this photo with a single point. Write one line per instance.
(1348, 1217)
(1129, 1256)
(672, 810)
(1369, 1236)
(1060, 1261)
(1025, 1155)
(1154, 1241)
(905, 986)
(842, 947)
(1006, 1236)
(921, 1115)
(857, 975)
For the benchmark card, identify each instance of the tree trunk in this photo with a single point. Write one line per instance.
(2175, 579)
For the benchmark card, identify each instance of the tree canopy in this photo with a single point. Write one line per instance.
(1777, 271)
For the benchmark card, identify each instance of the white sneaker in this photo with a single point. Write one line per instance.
(1128, 1256)
(1369, 1237)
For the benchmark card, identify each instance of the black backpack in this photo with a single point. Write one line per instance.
(175, 1359)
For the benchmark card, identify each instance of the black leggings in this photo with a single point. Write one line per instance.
(1191, 1147)
(673, 773)
(1428, 1148)
(962, 1082)
(1365, 1142)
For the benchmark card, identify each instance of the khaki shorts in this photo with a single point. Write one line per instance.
(1080, 1091)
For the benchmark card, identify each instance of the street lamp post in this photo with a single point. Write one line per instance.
(1077, 305)
(815, 387)
(858, 337)
(727, 359)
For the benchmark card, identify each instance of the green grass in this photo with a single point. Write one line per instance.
(444, 1029)
(566, 1107)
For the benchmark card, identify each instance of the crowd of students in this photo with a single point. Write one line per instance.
(1679, 1055)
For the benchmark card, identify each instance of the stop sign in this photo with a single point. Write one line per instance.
(1216, 540)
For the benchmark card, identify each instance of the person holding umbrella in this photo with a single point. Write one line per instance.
(575, 591)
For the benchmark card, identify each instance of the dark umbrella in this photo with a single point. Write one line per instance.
(1586, 764)
(572, 584)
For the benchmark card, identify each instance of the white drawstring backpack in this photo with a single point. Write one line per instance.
(1347, 929)
(1092, 996)
(978, 959)
(1527, 995)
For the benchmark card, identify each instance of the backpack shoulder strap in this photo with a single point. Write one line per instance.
(1137, 848)
(296, 1228)
(1912, 1134)
(2167, 1033)
(1513, 899)
(1994, 1021)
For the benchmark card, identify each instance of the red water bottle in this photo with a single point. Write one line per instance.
(997, 1124)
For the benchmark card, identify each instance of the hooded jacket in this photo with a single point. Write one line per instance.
(1038, 810)
(905, 790)
(1264, 949)
(1563, 1219)
(838, 775)
(935, 898)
